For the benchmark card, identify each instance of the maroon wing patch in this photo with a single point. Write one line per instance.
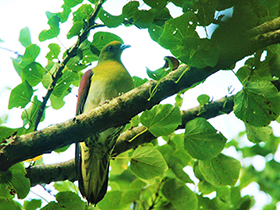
(83, 91)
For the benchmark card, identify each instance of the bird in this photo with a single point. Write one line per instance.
(98, 85)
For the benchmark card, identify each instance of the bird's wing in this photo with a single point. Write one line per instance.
(82, 96)
(83, 91)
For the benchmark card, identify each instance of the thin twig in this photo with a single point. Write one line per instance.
(15, 52)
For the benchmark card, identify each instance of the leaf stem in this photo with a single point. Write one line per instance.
(138, 134)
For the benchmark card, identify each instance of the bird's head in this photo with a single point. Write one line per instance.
(112, 51)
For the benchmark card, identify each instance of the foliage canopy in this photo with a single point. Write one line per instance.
(146, 175)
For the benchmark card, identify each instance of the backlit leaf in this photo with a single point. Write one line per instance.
(20, 95)
(257, 103)
(202, 140)
(162, 119)
(220, 170)
(147, 163)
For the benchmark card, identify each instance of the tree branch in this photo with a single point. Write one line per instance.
(70, 54)
(66, 170)
(268, 26)
(52, 173)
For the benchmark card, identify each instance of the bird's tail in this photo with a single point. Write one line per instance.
(93, 176)
(92, 163)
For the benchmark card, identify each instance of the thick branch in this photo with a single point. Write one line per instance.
(70, 54)
(51, 173)
(266, 39)
(268, 26)
(62, 171)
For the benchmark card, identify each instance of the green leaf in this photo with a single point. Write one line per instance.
(130, 8)
(57, 102)
(30, 54)
(155, 31)
(88, 55)
(9, 204)
(221, 170)
(47, 78)
(111, 200)
(15, 181)
(135, 121)
(29, 115)
(179, 194)
(17, 66)
(178, 100)
(202, 141)
(75, 63)
(159, 4)
(206, 54)
(161, 16)
(72, 3)
(80, 17)
(65, 186)
(32, 204)
(203, 99)
(243, 74)
(119, 164)
(206, 12)
(6, 132)
(109, 20)
(130, 196)
(83, 13)
(254, 70)
(64, 82)
(20, 95)
(143, 18)
(75, 30)
(33, 73)
(185, 44)
(63, 16)
(54, 51)
(176, 141)
(205, 187)
(257, 103)
(139, 81)
(258, 134)
(62, 149)
(162, 119)
(24, 37)
(157, 74)
(177, 169)
(53, 31)
(66, 200)
(100, 39)
(175, 30)
(147, 163)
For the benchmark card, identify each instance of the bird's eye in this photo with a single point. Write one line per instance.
(110, 48)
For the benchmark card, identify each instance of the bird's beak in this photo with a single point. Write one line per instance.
(123, 46)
